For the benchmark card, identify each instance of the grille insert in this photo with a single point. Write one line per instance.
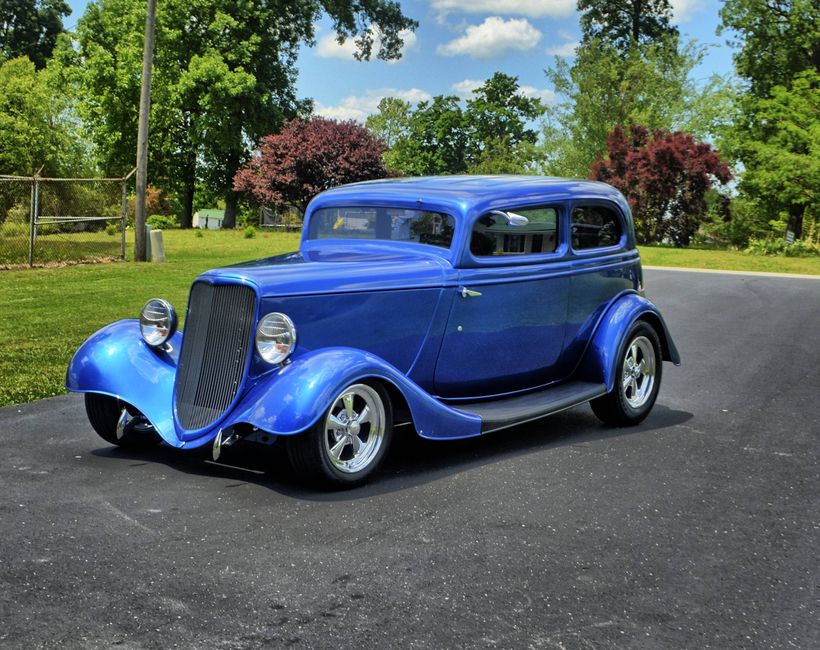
(215, 347)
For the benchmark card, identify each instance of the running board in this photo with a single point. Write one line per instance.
(511, 411)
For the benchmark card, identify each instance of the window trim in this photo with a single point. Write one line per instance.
(561, 243)
(308, 236)
(588, 252)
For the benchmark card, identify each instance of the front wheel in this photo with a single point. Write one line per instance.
(348, 442)
(637, 380)
(118, 423)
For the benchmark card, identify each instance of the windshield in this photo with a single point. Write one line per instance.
(393, 224)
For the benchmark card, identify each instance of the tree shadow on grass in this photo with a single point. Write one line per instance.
(411, 461)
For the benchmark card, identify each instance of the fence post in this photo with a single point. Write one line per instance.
(35, 210)
(124, 211)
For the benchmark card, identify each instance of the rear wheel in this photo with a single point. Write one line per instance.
(348, 442)
(119, 423)
(637, 380)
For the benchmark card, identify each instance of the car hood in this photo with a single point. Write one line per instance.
(337, 271)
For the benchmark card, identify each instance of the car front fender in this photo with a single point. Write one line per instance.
(116, 361)
(293, 398)
(599, 361)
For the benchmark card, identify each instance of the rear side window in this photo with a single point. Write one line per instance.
(595, 226)
(493, 236)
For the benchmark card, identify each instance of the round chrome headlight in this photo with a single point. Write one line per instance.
(158, 322)
(275, 337)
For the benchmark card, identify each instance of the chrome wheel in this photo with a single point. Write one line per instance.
(354, 429)
(638, 372)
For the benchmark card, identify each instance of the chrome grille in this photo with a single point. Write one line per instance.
(215, 347)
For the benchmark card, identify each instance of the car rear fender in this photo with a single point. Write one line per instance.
(291, 399)
(598, 363)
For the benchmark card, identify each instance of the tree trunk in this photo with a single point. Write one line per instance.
(636, 19)
(796, 220)
(230, 209)
(187, 204)
(231, 167)
(189, 187)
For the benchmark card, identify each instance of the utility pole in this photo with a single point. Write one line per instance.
(142, 133)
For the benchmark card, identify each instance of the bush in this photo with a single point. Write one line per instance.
(111, 229)
(162, 222)
(778, 246)
(250, 232)
(198, 233)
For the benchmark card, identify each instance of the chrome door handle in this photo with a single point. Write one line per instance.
(465, 292)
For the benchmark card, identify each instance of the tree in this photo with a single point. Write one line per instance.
(651, 85)
(498, 112)
(391, 122)
(224, 76)
(307, 157)
(774, 132)
(775, 40)
(624, 23)
(34, 129)
(782, 160)
(30, 28)
(665, 177)
(436, 140)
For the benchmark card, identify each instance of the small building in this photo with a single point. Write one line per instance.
(208, 219)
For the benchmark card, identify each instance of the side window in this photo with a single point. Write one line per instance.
(493, 236)
(594, 226)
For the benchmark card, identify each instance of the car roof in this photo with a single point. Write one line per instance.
(472, 190)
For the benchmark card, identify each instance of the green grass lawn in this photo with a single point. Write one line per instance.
(45, 314)
(704, 258)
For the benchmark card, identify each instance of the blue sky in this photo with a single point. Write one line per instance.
(460, 43)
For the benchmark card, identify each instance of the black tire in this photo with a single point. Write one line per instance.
(311, 452)
(104, 412)
(629, 405)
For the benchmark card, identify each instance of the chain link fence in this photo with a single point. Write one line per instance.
(280, 218)
(53, 221)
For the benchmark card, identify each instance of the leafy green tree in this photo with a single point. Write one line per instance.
(224, 76)
(35, 130)
(624, 23)
(499, 112)
(436, 140)
(775, 40)
(650, 85)
(775, 126)
(30, 28)
(389, 125)
(781, 151)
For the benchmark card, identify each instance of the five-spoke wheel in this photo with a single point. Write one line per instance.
(348, 443)
(638, 379)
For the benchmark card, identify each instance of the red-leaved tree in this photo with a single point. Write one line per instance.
(665, 177)
(309, 156)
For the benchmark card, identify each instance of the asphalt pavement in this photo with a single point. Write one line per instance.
(699, 528)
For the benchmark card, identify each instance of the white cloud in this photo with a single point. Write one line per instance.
(492, 38)
(544, 94)
(329, 48)
(683, 10)
(564, 49)
(531, 8)
(358, 107)
(465, 89)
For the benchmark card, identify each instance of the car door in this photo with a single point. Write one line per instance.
(506, 326)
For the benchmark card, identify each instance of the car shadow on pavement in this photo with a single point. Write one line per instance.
(411, 460)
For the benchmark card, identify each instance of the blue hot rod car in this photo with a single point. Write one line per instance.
(461, 304)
